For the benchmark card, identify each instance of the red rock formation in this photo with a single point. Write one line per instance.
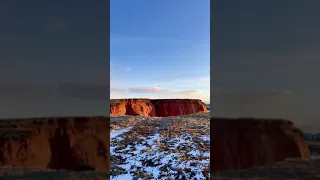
(243, 143)
(156, 107)
(56, 143)
(132, 106)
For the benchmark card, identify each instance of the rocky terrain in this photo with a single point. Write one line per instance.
(177, 147)
(156, 107)
(64, 144)
(160, 147)
(149, 147)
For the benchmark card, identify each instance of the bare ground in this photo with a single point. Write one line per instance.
(161, 148)
(290, 169)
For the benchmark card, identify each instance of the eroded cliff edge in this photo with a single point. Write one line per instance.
(73, 143)
(240, 143)
(156, 107)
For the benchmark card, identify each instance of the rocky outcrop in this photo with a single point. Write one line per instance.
(244, 143)
(156, 107)
(73, 143)
(132, 106)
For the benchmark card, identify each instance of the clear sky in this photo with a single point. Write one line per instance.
(44, 45)
(266, 60)
(160, 49)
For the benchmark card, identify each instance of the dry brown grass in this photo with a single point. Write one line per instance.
(156, 140)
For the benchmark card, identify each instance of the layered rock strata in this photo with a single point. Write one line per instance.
(156, 107)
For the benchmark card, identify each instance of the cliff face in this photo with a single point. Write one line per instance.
(74, 143)
(156, 107)
(132, 106)
(244, 143)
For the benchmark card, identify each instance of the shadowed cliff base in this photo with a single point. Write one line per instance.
(294, 169)
(156, 107)
(49, 174)
(241, 143)
(57, 143)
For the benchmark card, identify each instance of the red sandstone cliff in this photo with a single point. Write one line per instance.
(132, 106)
(57, 143)
(156, 107)
(244, 143)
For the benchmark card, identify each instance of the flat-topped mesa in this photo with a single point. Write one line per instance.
(73, 143)
(248, 142)
(156, 107)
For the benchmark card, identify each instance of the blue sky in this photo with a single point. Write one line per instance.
(160, 49)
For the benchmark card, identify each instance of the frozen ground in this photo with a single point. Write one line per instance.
(160, 148)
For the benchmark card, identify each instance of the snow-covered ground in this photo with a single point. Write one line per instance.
(160, 148)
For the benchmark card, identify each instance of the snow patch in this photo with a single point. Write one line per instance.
(116, 133)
